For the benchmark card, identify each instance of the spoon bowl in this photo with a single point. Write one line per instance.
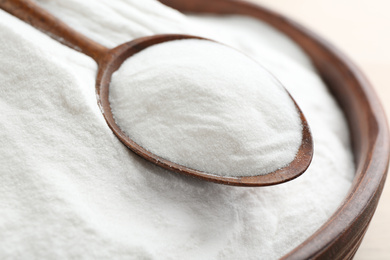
(121, 53)
(109, 60)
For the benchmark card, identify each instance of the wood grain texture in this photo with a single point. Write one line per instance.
(109, 60)
(341, 235)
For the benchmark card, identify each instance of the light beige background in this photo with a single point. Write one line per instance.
(361, 29)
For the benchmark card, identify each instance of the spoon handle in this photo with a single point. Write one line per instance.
(28, 11)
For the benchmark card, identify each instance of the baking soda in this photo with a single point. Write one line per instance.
(70, 189)
(206, 106)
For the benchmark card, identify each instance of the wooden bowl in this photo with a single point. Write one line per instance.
(341, 235)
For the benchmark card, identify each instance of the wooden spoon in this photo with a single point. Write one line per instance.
(109, 60)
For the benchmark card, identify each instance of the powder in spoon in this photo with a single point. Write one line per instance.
(206, 106)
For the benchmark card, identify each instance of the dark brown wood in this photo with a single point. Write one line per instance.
(29, 12)
(341, 235)
(109, 60)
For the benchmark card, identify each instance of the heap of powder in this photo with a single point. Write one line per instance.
(206, 106)
(70, 190)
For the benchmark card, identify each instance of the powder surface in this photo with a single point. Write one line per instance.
(70, 190)
(206, 106)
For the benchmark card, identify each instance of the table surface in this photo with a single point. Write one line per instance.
(361, 29)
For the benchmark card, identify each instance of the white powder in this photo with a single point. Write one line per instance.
(206, 106)
(70, 189)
